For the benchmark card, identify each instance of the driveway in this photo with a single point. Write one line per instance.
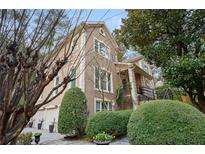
(58, 139)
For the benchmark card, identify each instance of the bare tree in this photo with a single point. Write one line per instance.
(30, 43)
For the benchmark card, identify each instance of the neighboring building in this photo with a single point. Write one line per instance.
(100, 75)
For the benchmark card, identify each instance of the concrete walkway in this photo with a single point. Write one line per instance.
(46, 136)
(58, 139)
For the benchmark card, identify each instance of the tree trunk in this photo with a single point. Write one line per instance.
(201, 101)
(10, 134)
(3, 140)
(200, 104)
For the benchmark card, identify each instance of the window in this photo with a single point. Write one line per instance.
(74, 44)
(98, 106)
(110, 106)
(103, 106)
(96, 45)
(56, 83)
(101, 48)
(73, 76)
(109, 81)
(102, 32)
(102, 80)
(97, 79)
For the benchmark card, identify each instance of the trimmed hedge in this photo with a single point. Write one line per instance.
(166, 122)
(73, 112)
(110, 122)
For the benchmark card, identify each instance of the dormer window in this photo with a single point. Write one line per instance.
(102, 32)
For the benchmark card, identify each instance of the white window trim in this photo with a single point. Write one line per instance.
(107, 56)
(111, 84)
(106, 100)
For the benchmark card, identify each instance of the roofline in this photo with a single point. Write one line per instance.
(98, 23)
(134, 59)
(146, 74)
(121, 63)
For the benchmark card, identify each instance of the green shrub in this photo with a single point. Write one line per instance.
(166, 122)
(113, 123)
(37, 134)
(168, 92)
(73, 112)
(101, 137)
(24, 138)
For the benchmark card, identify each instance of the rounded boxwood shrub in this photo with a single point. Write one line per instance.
(166, 122)
(110, 122)
(73, 112)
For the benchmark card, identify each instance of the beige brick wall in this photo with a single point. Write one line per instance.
(95, 59)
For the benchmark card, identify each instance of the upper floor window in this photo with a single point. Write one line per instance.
(101, 48)
(56, 83)
(103, 80)
(74, 44)
(109, 81)
(73, 76)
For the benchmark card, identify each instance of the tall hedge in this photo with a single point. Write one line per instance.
(73, 112)
(111, 122)
(166, 122)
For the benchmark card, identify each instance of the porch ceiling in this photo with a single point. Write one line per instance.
(120, 67)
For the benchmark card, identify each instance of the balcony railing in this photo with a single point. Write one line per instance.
(144, 93)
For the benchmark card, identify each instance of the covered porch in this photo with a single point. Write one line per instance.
(134, 84)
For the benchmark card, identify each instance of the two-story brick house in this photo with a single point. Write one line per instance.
(100, 74)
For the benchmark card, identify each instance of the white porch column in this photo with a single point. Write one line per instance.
(133, 85)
